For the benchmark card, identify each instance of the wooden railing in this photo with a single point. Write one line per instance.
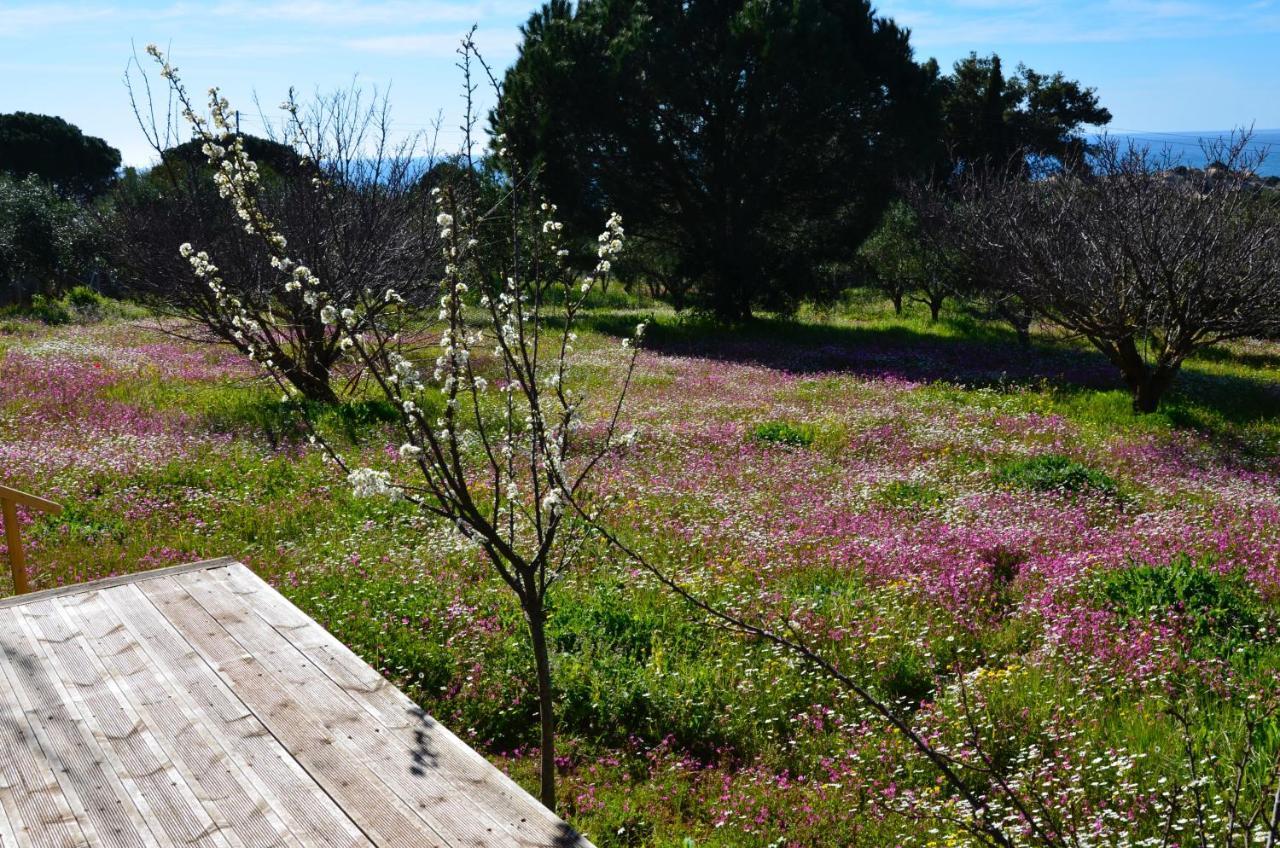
(9, 501)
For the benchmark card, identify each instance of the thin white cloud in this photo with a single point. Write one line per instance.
(494, 44)
(23, 20)
(935, 23)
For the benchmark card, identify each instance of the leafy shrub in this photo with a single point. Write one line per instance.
(49, 311)
(46, 242)
(1217, 606)
(83, 297)
(785, 433)
(1052, 472)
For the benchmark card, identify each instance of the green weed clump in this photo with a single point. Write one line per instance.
(49, 311)
(1219, 608)
(83, 298)
(785, 433)
(904, 494)
(81, 305)
(1052, 472)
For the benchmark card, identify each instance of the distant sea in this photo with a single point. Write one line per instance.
(1186, 145)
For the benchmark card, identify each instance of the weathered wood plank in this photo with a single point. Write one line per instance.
(276, 776)
(461, 767)
(33, 804)
(216, 777)
(196, 706)
(127, 738)
(331, 760)
(396, 753)
(117, 580)
(102, 806)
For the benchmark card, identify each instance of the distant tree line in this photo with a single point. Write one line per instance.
(771, 152)
(50, 172)
(755, 144)
(765, 153)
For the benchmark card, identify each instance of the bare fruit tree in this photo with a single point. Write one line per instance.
(1147, 261)
(345, 195)
(493, 419)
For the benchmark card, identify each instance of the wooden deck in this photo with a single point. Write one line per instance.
(195, 706)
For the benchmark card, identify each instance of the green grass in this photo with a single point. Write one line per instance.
(80, 304)
(666, 721)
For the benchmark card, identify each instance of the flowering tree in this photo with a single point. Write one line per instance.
(493, 431)
(336, 187)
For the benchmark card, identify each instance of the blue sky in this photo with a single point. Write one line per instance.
(1159, 65)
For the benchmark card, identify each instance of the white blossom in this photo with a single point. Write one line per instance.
(371, 483)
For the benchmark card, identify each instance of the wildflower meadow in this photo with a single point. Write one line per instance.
(1029, 573)
(743, 428)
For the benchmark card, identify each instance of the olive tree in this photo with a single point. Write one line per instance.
(1147, 263)
(906, 262)
(47, 243)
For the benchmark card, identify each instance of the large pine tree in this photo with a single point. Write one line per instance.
(993, 120)
(749, 142)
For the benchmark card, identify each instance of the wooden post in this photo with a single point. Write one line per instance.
(9, 500)
(17, 561)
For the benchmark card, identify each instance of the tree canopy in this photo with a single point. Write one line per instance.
(752, 141)
(280, 158)
(989, 118)
(906, 263)
(57, 152)
(47, 243)
(1147, 268)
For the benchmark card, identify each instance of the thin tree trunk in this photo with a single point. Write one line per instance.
(897, 302)
(546, 706)
(935, 307)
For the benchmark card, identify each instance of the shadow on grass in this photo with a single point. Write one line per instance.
(963, 351)
(960, 350)
(1204, 401)
(281, 423)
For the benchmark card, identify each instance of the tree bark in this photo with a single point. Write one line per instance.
(897, 302)
(1147, 396)
(935, 307)
(546, 706)
(731, 307)
(311, 386)
(1147, 384)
